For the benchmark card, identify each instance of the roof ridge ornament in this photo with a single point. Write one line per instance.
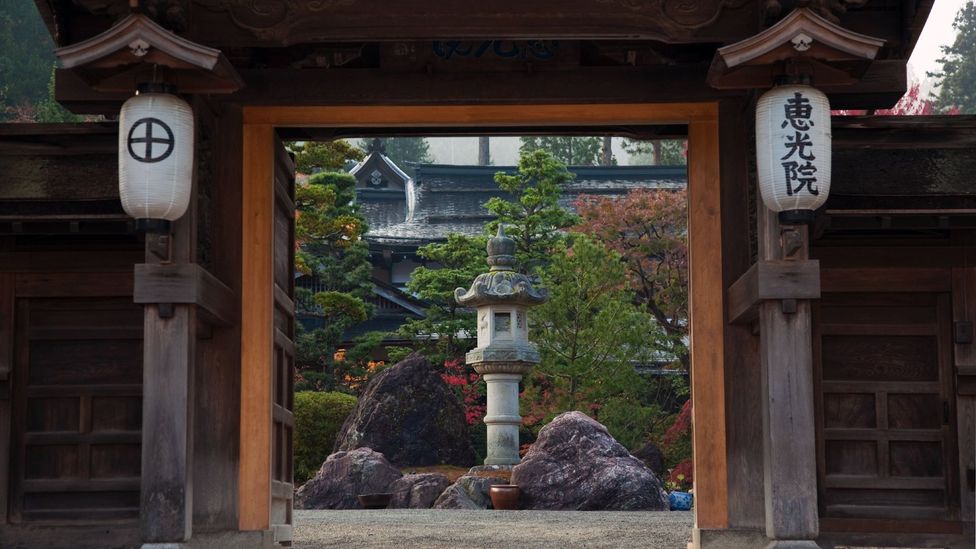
(828, 53)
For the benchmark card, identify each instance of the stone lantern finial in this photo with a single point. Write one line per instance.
(504, 353)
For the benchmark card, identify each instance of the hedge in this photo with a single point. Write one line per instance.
(318, 419)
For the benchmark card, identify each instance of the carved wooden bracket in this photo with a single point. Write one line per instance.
(137, 50)
(801, 41)
(185, 283)
(768, 280)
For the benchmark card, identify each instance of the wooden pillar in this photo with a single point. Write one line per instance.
(166, 505)
(789, 438)
(257, 330)
(707, 313)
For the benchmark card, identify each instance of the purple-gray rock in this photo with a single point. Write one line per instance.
(469, 492)
(343, 477)
(409, 414)
(576, 465)
(653, 457)
(417, 491)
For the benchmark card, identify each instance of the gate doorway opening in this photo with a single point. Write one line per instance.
(267, 334)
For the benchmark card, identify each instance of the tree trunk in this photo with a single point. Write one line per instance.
(607, 152)
(484, 151)
(656, 145)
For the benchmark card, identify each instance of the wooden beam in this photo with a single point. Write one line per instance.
(257, 327)
(185, 283)
(881, 87)
(772, 280)
(107, 284)
(67, 261)
(707, 332)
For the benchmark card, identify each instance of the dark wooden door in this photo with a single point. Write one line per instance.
(77, 409)
(282, 487)
(884, 408)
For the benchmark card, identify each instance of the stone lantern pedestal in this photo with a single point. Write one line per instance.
(504, 353)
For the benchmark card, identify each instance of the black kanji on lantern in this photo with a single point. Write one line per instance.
(798, 111)
(803, 175)
(800, 172)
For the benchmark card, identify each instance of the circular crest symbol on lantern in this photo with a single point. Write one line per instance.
(155, 157)
(793, 147)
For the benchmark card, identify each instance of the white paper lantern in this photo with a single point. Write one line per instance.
(155, 157)
(793, 151)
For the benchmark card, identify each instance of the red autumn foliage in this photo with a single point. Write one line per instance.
(910, 104)
(465, 384)
(649, 229)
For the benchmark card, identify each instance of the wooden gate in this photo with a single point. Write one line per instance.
(885, 410)
(283, 355)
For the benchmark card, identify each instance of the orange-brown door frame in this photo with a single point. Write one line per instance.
(707, 315)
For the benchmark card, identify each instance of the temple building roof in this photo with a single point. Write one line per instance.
(443, 199)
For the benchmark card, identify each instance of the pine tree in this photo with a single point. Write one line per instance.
(406, 150)
(958, 75)
(26, 57)
(571, 151)
(533, 216)
(329, 230)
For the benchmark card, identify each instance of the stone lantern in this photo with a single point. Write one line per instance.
(504, 353)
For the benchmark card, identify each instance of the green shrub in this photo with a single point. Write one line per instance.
(318, 418)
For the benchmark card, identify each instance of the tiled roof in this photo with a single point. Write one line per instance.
(450, 199)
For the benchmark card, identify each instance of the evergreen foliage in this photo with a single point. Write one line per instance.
(591, 335)
(571, 151)
(329, 231)
(533, 218)
(406, 150)
(26, 57)
(316, 156)
(660, 152)
(318, 419)
(957, 78)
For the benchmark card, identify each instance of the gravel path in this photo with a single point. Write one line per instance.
(428, 528)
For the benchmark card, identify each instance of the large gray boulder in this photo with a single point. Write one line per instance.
(409, 414)
(469, 492)
(417, 491)
(576, 464)
(343, 477)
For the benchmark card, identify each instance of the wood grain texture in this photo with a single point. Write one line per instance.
(707, 312)
(742, 368)
(705, 227)
(869, 279)
(185, 283)
(257, 317)
(488, 115)
(772, 280)
(789, 442)
(167, 434)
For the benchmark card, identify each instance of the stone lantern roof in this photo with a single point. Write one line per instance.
(502, 284)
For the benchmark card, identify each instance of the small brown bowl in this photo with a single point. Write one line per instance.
(504, 496)
(374, 501)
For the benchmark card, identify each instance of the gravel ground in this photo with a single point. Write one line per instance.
(429, 528)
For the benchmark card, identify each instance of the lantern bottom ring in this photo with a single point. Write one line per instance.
(153, 226)
(796, 217)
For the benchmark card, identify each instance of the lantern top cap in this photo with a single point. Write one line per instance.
(502, 285)
(137, 50)
(803, 41)
(501, 251)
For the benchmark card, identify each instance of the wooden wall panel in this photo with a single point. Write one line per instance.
(964, 310)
